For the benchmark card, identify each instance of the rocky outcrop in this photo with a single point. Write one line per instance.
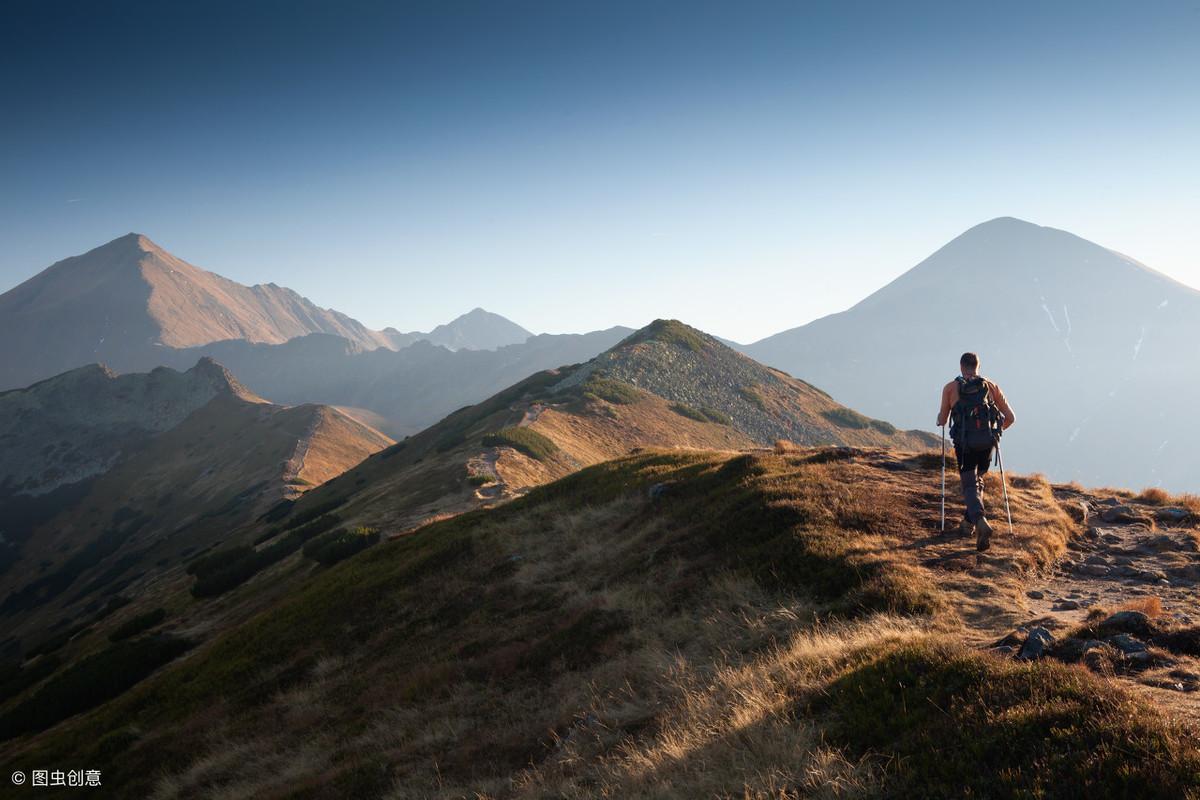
(80, 423)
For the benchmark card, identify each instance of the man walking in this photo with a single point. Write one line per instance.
(978, 412)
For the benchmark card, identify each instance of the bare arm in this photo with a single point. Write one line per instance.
(1005, 408)
(947, 401)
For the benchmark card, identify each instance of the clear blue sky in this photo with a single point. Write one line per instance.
(745, 167)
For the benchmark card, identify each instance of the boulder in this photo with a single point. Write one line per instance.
(1126, 643)
(1036, 644)
(1172, 514)
(1095, 570)
(1123, 515)
(1034, 594)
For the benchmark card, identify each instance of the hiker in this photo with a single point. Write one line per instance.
(978, 413)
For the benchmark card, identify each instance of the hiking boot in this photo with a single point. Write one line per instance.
(983, 534)
(965, 528)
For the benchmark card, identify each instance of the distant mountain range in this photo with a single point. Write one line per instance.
(1095, 351)
(667, 385)
(126, 302)
(402, 390)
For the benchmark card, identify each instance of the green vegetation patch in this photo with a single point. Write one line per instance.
(753, 397)
(223, 570)
(598, 387)
(672, 332)
(849, 418)
(950, 722)
(701, 414)
(15, 679)
(525, 440)
(90, 682)
(332, 547)
(139, 624)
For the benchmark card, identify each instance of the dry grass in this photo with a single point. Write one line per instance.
(588, 640)
(1150, 606)
(1153, 496)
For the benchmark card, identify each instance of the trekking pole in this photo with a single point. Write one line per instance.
(1004, 485)
(943, 478)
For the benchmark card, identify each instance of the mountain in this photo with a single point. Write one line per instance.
(666, 385)
(1089, 346)
(118, 301)
(403, 390)
(673, 623)
(131, 304)
(78, 424)
(475, 330)
(108, 480)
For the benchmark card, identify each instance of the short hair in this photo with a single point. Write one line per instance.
(969, 360)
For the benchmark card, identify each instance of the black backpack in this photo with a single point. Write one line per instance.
(975, 419)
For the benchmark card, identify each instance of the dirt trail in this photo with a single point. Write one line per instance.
(1129, 551)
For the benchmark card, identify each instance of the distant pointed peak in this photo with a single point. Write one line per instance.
(133, 240)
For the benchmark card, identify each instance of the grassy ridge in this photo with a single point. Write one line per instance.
(720, 633)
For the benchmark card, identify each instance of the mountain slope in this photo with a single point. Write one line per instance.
(78, 424)
(671, 624)
(119, 301)
(153, 486)
(1087, 344)
(410, 388)
(667, 385)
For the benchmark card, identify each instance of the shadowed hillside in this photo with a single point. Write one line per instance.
(665, 625)
(144, 470)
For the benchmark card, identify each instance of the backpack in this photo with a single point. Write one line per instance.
(974, 419)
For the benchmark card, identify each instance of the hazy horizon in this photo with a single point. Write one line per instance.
(699, 161)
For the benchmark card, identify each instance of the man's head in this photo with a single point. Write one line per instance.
(969, 364)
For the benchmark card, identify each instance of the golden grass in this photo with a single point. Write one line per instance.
(590, 641)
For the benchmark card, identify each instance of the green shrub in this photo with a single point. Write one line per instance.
(14, 679)
(139, 624)
(616, 392)
(56, 641)
(525, 440)
(312, 513)
(90, 682)
(231, 574)
(670, 331)
(335, 546)
(218, 560)
(689, 412)
(883, 427)
(480, 479)
(751, 395)
(847, 418)
(701, 414)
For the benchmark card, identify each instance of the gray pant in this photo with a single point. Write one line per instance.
(972, 466)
